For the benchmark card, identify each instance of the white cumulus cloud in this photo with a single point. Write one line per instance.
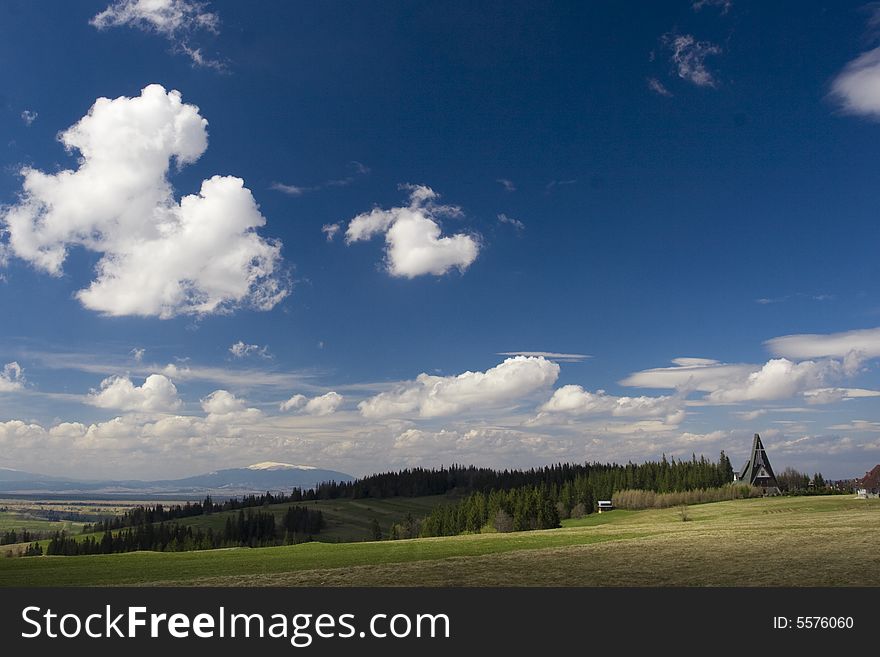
(294, 403)
(156, 394)
(434, 396)
(779, 378)
(574, 400)
(159, 257)
(414, 245)
(321, 405)
(222, 402)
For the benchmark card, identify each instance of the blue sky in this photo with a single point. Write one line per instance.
(408, 211)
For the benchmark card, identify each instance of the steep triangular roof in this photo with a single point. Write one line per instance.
(871, 479)
(757, 471)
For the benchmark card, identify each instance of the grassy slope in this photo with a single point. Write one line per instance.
(347, 520)
(783, 541)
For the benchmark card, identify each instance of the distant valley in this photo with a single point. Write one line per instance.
(257, 478)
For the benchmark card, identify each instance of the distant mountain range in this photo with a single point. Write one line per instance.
(256, 478)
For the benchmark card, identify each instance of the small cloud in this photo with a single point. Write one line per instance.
(28, 117)
(689, 58)
(832, 395)
(549, 355)
(558, 183)
(506, 184)
(330, 230)
(361, 169)
(243, 350)
(11, 377)
(857, 425)
(657, 87)
(321, 405)
(138, 354)
(765, 301)
(358, 170)
(722, 5)
(294, 403)
(516, 223)
(749, 416)
(175, 20)
(292, 190)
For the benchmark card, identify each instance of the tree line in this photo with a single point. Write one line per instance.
(246, 529)
(143, 514)
(665, 475)
(793, 482)
(23, 536)
(542, 504)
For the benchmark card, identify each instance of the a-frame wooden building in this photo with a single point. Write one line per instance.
(757, 470)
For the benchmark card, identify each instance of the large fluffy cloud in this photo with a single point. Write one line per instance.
(158, 257)
(156, 394)
(779, 378)
(413, 242)
(434, 396)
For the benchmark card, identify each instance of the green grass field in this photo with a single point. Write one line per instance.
(807, 541)
(18, 520)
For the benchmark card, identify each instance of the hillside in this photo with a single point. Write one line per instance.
(806, 541)
(347, 520)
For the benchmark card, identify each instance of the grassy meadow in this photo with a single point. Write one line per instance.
(801, 541)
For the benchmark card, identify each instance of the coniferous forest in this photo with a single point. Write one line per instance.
(248, 529)
(542, 503)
